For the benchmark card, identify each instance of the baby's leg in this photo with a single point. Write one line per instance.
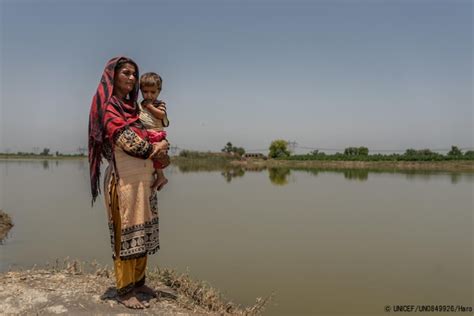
(162, 180)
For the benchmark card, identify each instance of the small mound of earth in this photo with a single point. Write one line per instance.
(5, 224)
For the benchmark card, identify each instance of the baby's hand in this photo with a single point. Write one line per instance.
(159, 103)
(161, 106)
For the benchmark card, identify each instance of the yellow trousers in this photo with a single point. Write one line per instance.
(131, 272)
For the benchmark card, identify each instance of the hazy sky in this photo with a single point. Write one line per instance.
(327, 74)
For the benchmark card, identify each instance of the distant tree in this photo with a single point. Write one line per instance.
(185, 153)
(58, 153)
(425, 152)
(45, 152)
(410, 152)
(363, 151)
(356, 151)
(350, 151)
(228, 148)
(279, 149)
(455, 152)
(469, 154)
(238, 151)
(421, 152)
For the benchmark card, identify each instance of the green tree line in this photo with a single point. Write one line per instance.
(278, 149)
(46, 152)
(362, 154)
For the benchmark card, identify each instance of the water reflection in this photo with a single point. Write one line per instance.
(356, 174)
(233, 173)
(202, 166)
(4, 236)
(279, 176)
(455, 178)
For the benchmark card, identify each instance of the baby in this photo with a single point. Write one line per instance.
(153, 116)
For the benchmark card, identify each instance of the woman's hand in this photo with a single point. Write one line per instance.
(160, 150)
(160, 153)
(164, 161)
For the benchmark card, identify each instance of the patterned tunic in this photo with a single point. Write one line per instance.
(133, 177)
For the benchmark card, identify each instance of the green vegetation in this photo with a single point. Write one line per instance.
(279, 149)
(352, 158)
(22, 155)
(45, 154)
(230, 149)
(362, 154)
(192, 154)
(354, 151)
(199, 293)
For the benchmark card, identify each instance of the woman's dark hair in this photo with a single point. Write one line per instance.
(121, 63)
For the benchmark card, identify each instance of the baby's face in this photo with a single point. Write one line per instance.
(150, 92)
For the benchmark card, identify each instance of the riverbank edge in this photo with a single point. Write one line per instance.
(450, 165)
(454, 166)
(39, 157)
(71, 287)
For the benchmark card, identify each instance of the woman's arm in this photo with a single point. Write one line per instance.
(132, 144)
(135, 146)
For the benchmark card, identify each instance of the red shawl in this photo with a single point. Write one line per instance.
(107, 116)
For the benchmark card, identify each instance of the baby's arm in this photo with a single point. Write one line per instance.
(158, 112)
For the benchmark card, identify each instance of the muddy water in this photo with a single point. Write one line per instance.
(324, 242)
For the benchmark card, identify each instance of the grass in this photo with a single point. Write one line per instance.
(202, 294)
(191, 294)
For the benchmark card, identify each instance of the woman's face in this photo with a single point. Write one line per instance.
(125, 79)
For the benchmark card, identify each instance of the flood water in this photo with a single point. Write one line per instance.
(324, 242)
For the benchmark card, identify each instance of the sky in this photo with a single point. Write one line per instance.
(325, 74)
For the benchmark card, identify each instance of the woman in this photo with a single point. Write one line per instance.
(116, 133)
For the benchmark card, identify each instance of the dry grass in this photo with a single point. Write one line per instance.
(197, 296)
(202, 294)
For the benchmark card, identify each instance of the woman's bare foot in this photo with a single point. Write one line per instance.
(145, 303)
(146, 290)
(130, 300)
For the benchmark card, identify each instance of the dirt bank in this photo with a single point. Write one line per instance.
(70, 290)
(457, 166)
(5, 224)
